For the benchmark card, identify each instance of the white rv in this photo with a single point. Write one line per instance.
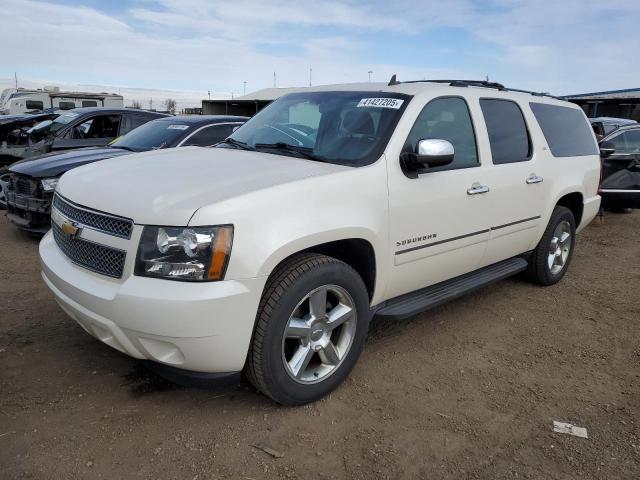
(20, 100)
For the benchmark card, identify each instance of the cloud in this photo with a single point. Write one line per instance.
(200, 45)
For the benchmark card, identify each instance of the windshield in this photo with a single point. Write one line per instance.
(347, 128)
(152, 135)
(52, 126)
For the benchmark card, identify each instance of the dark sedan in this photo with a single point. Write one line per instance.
(620, 187)
(31, 182)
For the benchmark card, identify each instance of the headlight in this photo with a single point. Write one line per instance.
(184, 253)
(49, 184)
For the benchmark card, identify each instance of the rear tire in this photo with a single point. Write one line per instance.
(310, 329)
(551, 258)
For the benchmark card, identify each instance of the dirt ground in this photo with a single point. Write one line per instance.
(469, 390)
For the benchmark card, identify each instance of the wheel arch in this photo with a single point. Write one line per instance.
(355, 251)
(574, 201)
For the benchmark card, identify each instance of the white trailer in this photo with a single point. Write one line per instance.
(20, 100)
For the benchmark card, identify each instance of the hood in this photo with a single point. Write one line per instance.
(166, 187)
(56, 163)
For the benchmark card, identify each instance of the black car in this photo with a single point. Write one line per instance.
(31, 182)
(620, 187)
(14, 134)
(82, 127)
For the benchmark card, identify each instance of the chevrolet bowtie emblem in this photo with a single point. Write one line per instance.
(70, 229)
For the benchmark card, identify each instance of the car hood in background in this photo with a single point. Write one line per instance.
(56, 163)
(166, 187)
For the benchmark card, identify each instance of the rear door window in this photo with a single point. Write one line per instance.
(66, 105)
(131, 122)
(566, 130)
(508, 134)
(89, 103)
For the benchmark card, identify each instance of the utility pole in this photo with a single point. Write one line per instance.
(274, 79)
(151, 104)
(370, 72)
(244, 88)
(310, 75)
(15, 74)
(209, 93)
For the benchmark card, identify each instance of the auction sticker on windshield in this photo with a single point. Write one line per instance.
(381, 103)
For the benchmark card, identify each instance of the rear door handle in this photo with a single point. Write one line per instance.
(476, 189)
(534, 179)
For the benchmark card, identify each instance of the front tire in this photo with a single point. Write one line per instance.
(551, 258)
(310, 330)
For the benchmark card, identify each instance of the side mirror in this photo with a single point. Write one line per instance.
(607, 149)
(434, 152)
(429, 153)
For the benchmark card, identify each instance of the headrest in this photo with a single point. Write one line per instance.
(358, 122)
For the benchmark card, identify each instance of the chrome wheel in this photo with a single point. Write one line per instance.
(319, 334)
(559, 247)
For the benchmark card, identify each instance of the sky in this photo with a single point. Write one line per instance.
(191, 47)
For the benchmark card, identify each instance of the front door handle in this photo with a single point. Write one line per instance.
(476, 188)
(534, 179)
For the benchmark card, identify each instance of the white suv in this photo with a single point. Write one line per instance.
(270, 253)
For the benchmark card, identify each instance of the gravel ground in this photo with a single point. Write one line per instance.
(468, 390)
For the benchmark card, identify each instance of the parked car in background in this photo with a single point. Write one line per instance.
(603, 126)
(271, 252)
(620, 188)
(14, 134)
(31, 182)
(82, 127)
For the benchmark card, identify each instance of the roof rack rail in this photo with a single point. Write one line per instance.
(473, 83)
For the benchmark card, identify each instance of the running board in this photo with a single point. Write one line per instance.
(416, 302)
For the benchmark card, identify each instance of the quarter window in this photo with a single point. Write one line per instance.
(508, 135)
(566, 130)
(446, 119)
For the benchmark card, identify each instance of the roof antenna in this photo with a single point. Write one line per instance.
(393, 81)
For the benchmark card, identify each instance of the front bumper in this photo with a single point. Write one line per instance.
(202, 327)
(29, 213)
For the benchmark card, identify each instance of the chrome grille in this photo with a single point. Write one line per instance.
(99, 258)
(116, 226)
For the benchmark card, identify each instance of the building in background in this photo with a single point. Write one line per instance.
(246, 105)
(614, 103)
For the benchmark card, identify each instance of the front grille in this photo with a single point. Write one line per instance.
(99, 258)
(117, 226)
(25, 186)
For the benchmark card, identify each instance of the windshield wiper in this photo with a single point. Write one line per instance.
(306, 152)
(129, 149)
(237, 144)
